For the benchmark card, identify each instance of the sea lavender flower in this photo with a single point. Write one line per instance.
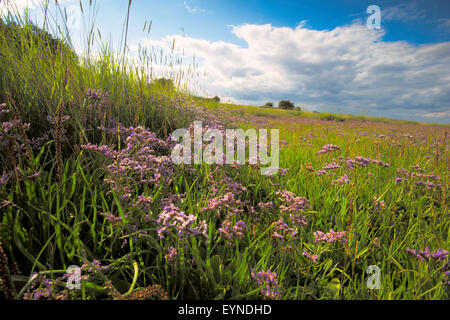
(230, 232)
(331, 166)
(2, 109)
(111, 218)
(378, 204)
(172, 255)
(292, 203)
(298, 219)
(227, 202)
(144, 202)
(93, 267)
(173, 218)
(426, 254)
(265, 205)
(331, 236)
(310, 256)
(283, 231)
(267, 282)
(328, 148)
(342, 180)
(232, 186)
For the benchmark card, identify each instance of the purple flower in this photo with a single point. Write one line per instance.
(328, 148)
(310, 256)
(331, 236)
(342, 180)
(230, 232)
(267, 282)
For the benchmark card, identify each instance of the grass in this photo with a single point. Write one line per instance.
(63, 204)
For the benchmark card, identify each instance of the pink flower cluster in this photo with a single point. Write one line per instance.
(426, 254)
(310, 256)
(137, 163)
(283, 231)
(331, 236)
(224, 203)
(172, 255)
(172, 218)
(268, 283)
(230, 232)
(292, 203)
(342, 180)
(328, 148)
(378, 204)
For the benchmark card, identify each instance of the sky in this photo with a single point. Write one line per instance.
(319, 54)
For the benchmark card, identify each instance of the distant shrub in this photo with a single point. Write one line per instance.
(165, 83)
(299, 109)
(286, 105)
(216, 99)
(268, 105)
(331, 117)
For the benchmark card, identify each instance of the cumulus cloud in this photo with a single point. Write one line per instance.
(404, 12)
(17, 6)
(349, 67)
(192, 9)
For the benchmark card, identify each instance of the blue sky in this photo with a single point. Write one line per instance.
(319, 54)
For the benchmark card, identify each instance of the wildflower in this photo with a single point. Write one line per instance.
(265, 205)
(93, 267)
(291, 203)
(378, 204)
(227, 202)
(232, 186)
(320, 172)
(172, 255)
(143, 202)
(331, 166)
(331, 236)
(267, 282)
(172, 218)
(438, 255)
(111, 218)
(230, 232)
(2, 109)
(283, 231)
(298, 219)
(310, 256)
(328, 148)
(342, 180)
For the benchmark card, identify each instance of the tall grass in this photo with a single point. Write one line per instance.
(60, 208)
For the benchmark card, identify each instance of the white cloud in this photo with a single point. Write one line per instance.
(17, 6)
(403, 12)
(445, 114)
(348, 67)
(193, 9)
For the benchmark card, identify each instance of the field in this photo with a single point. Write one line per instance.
(86, 180)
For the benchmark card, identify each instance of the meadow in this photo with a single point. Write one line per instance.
(86, 180)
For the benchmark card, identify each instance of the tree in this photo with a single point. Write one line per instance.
(268, 105)
(299, 109)
(216, 99)
(286, 105)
